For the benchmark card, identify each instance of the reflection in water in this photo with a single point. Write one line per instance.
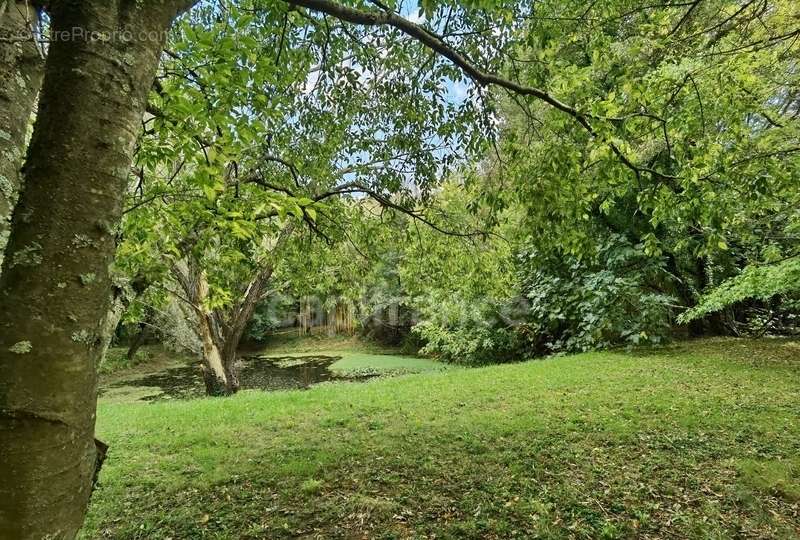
(255, 372)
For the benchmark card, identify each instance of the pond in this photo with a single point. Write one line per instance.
(256, 372)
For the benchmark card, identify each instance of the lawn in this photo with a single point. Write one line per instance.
(700, 440)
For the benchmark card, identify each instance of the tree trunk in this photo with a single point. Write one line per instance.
(218, 372)
(220, 331)
(55, 285)
(142, 334)
(21, 69)
(241, 315)
(218, 364)
(109, 325)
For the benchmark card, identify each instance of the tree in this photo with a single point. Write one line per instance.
(218, 194)
(221, 329)
(55, 287)
(21, 69)
(762, 283)
(216, 258)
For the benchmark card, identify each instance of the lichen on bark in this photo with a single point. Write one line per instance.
(21, 347)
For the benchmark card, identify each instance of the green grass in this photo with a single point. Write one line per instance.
(700, 440)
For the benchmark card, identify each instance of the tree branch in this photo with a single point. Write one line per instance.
(480, 77)
(435, 43)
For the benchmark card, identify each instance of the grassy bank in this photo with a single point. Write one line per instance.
(698, 441)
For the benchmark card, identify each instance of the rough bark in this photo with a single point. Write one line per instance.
(55, 284)
(21, 70)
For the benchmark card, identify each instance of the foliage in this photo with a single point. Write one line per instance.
(645, 151)
(268, 317)
(693, 147)
(497, 225)
(263, 125)
(497, 297)
(467, 332)
(755, 282)
(605, 299)
(460, 283)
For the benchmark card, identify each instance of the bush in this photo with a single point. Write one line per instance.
(468, 332)
(611, 298)
(564, 304)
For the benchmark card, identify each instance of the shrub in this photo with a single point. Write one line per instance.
(612, 297)
(468, 332)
